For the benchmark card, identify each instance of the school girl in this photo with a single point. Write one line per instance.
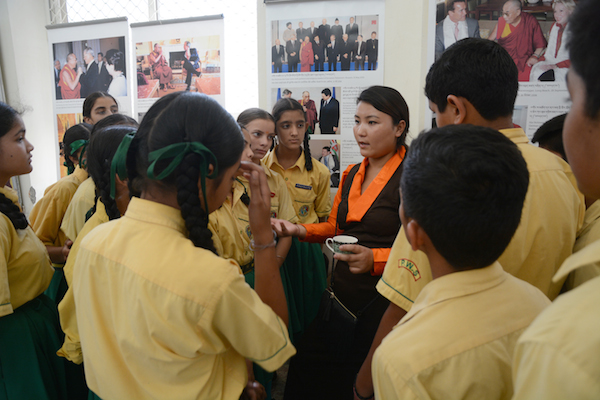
(160, 315)
(101, 152)
(366, 207)
(84, 199)
(307, 182)
(229, 224)
(47, 214)
(29, 328)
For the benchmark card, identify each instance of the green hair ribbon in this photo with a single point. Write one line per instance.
(79, 144)
(178, 151)
(118, 165)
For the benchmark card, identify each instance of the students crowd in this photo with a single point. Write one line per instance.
(181, 257)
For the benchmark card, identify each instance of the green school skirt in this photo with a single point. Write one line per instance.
(29, 366)
(58, 286)
(304, 278)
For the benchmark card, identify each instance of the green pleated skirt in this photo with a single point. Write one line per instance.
(29, 366)
(304, 278)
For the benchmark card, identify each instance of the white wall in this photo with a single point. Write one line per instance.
(28, 84)
(408, 54)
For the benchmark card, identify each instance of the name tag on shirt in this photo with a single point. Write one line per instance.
(306, 187)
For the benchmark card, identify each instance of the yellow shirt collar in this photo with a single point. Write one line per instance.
(586, 256)
(11, 194)
(517, 135)
(156, 213)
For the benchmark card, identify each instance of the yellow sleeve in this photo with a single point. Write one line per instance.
(250, 326)
(323, 201)
(5, 241)
(213, 225)
(405, 274)
(387, 383)
(47, 214)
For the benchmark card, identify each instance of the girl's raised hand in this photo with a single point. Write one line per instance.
(259, 210)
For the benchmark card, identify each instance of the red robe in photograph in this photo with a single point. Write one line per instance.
(521, 42)
(307, 57)
(65, 91)
(311, 114)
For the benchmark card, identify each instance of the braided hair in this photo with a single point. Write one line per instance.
(191, 117)
(74, 133)
(101, 150)
(8, 118)
(286, 104)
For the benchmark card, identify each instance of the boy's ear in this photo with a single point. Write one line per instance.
(458, 108)
(415, 234)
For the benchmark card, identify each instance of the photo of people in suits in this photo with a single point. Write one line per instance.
(179, 64)
(80, 67)
(321, 107)
(338, 43)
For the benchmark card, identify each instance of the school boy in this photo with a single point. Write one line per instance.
(549, 137)
(461, 211)
(476, 82)
(557, 357)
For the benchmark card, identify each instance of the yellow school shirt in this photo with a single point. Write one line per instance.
(160, 318)
(557, 357)
(552, 214)
(457, 340)
(309, 190)
(25, 270)
(230, 224)
(47, 214)
(82, 201)
(71, 348)
(589, 233)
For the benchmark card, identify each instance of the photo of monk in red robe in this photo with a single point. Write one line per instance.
(307, 56)
(70, 88)
(160, 67)
(311, 111)
(521, 35)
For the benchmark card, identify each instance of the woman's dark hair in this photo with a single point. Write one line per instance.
(252, 114)
(8, 118)
(389, 101)
(74, 133)
(284, 105)
(90, 100)
(101, 150)
(116, 58)
(189, 117)
(115, 119)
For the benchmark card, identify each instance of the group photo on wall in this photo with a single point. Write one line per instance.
(533, 32)
(86, 66)
(344, 43)
(172, 65)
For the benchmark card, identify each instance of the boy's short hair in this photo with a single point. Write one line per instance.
(326, 92)
(465, 185)
(585, 52)
(549, 135)
(479, 70)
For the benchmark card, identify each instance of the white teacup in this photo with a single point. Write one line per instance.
(334, 243)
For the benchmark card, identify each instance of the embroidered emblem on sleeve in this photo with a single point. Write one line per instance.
(411, 267)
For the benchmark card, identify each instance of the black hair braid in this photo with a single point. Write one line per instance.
(104, 187)
(92, 210)
(308, 164)
(188, 198)
(13, 212)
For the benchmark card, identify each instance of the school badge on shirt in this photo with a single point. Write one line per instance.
(410, 267)
(303, 210)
